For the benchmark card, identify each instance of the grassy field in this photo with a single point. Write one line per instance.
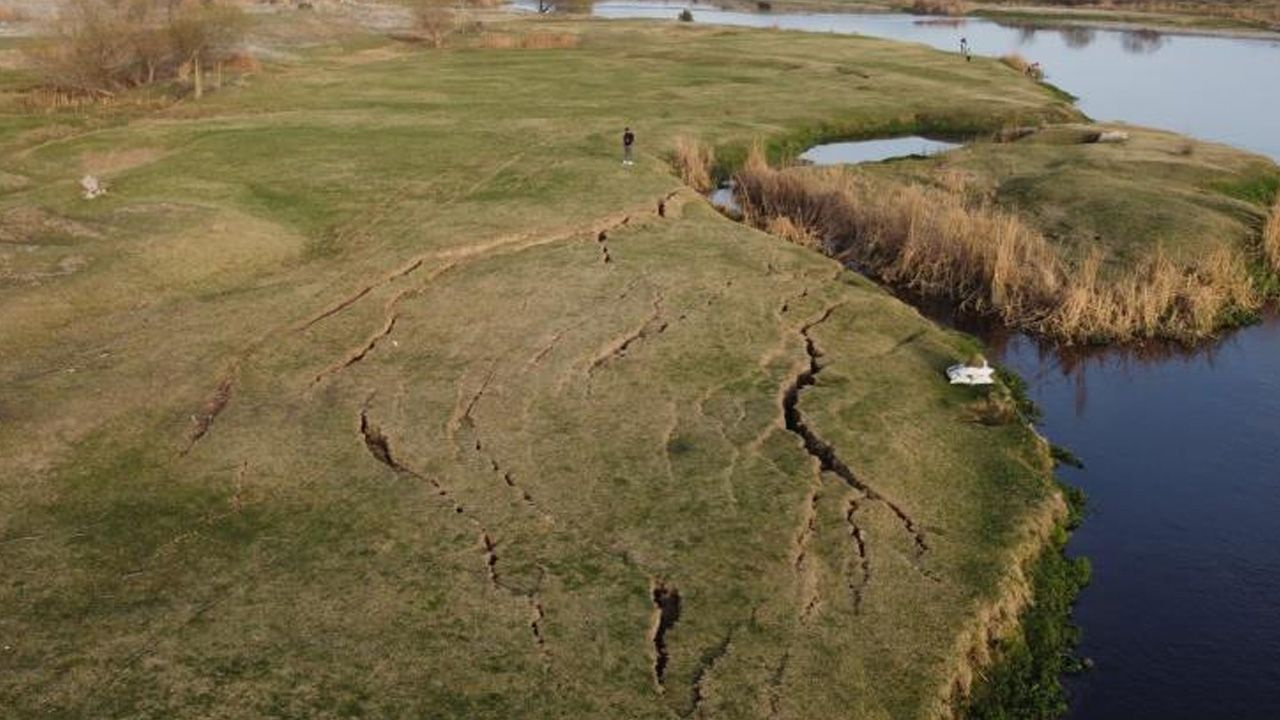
(376, 386)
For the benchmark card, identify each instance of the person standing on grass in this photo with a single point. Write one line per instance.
(628, 142)
(964, 49)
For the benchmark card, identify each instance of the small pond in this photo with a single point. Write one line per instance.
(862, 151)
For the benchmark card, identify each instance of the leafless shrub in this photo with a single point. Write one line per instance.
(435, 20)
(99, 48)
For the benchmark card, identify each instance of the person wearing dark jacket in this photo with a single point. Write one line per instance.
(628, 142)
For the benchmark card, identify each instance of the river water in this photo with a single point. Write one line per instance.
(1182, 450)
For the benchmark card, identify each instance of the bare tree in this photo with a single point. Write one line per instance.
(434, 19)
(201, 31)
(100, 47)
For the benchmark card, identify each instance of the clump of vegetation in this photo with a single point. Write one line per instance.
(1064, 456)
(694, 161)
(949, 8)
(1022, 65)
(100, 48)
(996, 407)
(1271, 237)
(1021, 394)
(947, 239)
(685, 15)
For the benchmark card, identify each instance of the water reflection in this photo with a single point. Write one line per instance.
(1078, 38)
(1076, 362)
(1142, 41)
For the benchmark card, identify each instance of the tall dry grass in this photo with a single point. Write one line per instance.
(950, 8)
(694, 161)
(1271, 237)
(950, 241)
(1022, 65)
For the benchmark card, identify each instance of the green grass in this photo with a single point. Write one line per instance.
(609, 426)
(1027, 682)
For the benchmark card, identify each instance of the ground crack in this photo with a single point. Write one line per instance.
(666, 613)
(360, 353)
(858, 585)
(800, 561)
(217, 402)
(655, 324)
(823, 452)
(380, 448)
(708, 664)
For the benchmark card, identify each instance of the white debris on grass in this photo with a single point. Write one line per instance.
(966, 374)
(92, 187)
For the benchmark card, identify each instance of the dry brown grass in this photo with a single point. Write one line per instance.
(694, 161)
(938, 7)
(1251, 13)
(12, 15)
(1022, 65)
(949, 241)
(537, 40)
(1271, 237)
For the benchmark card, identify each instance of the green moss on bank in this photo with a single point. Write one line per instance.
(1026, 681)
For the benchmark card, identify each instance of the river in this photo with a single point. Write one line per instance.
(1182, 450)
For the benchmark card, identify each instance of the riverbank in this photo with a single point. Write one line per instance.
(1237, 20)
(1142, 235)
(377, 384)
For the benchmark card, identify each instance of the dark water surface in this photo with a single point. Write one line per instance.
(1182, 455)
(1182, 449)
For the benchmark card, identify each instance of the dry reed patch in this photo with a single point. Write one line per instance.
(1022, 65)
(947, 241)
(1271, 237)
(938, 7)
(694, 161)
(13, 15)
(537, 40)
